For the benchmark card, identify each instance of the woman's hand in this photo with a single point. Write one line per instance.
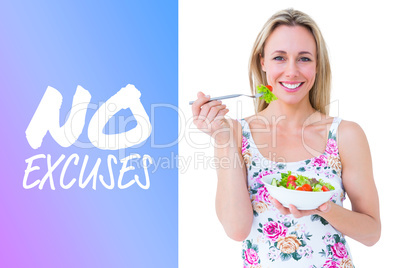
(324, 208)
(209, 117)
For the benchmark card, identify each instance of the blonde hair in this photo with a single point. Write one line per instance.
(320, 93)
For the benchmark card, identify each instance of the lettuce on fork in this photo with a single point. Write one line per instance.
(267, 94)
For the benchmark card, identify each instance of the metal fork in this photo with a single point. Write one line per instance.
(232, 96)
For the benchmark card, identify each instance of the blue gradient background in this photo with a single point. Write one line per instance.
(102, 46)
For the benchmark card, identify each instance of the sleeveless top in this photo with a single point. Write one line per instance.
(278, 240)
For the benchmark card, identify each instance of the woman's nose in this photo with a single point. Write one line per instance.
(292, 69)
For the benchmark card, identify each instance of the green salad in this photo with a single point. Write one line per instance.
(302, 183)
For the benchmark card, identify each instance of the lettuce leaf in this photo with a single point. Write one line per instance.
(317, 188)
(301, 180)
(268, 96)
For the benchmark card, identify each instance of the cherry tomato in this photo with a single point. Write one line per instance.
(307, 187)
(324, 188)
(269, 87)
(292, 178)
(291, 183)
(299, 188)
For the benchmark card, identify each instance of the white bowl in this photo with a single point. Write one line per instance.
(302, 200)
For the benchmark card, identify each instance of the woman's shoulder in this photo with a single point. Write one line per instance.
(351, 136)
(350, 129)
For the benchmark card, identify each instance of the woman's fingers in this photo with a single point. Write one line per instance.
(201, 99)
(279, 206)
(209, 117)
(205, 112)
(206, 108)
(196, 108)
(302, 213)
(214, 111)
(222, 113)
(298, 213)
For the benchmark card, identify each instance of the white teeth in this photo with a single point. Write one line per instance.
(291, 86)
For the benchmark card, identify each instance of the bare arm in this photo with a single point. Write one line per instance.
(233, 205)
(363, 222)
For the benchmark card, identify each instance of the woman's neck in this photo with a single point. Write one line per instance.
(291, 116)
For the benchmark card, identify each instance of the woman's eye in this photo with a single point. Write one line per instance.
(305, 59)
(279, 58)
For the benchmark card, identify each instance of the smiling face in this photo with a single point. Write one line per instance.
(290, 61)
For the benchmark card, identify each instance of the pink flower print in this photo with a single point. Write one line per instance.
(320, 161)
(244, 145)
(334, 197)
(331, 264)
(339, 250)
(332, 147)
(262, 174)
(262, 195)
(273, 230)
(251, 256)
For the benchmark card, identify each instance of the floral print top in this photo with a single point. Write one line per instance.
(278, 240)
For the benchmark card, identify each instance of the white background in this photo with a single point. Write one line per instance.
(215, 40)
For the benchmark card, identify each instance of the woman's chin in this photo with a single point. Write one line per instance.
(290, 100)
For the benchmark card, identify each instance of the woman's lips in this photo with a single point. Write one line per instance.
(291, 86)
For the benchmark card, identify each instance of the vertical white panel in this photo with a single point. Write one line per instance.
(215, 39)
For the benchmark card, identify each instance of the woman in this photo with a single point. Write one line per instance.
(293, 133)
